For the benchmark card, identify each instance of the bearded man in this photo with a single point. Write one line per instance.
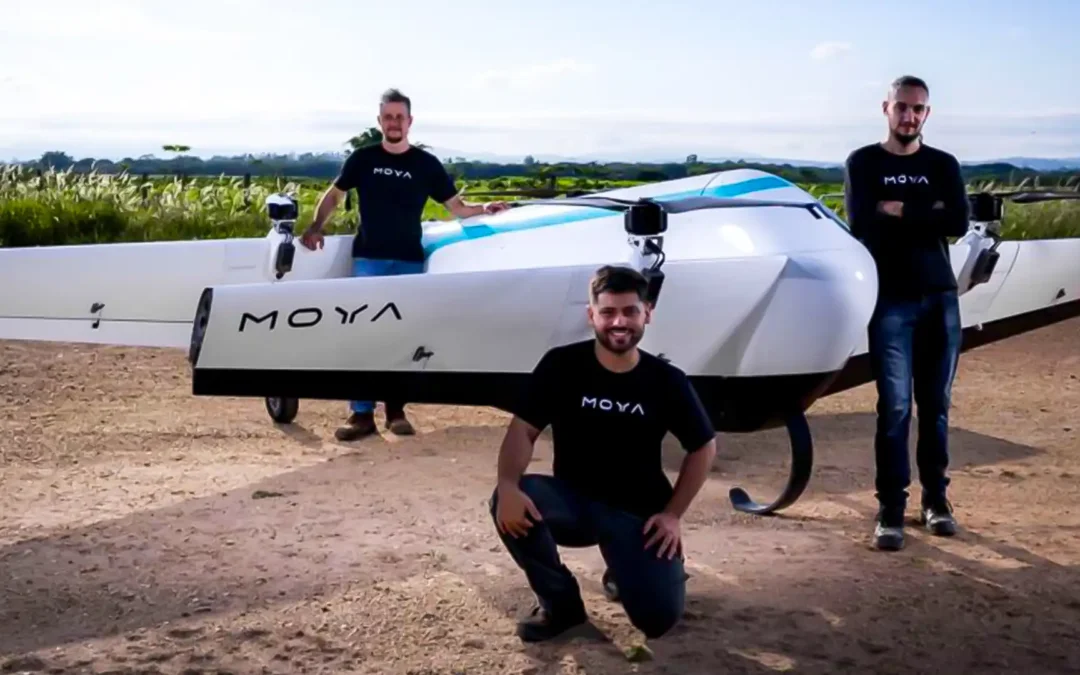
(904, 199)
(610, 405)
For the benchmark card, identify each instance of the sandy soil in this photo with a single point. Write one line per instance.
(143, 530)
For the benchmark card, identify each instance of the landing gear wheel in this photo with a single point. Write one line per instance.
(802, 464)
(282, 410)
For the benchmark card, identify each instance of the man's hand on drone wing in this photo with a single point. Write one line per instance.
(495, 207)
(312, 237)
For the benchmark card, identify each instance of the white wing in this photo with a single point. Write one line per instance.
(140, 294)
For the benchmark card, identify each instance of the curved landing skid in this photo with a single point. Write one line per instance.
(802, 463)
(282, 410)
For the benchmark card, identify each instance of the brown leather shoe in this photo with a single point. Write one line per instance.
(356, 427)
(398, 423)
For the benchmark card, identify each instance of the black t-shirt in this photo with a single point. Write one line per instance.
(912, 252)
(608, 427)
(393, 189)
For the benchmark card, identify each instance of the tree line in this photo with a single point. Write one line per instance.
(326, 165)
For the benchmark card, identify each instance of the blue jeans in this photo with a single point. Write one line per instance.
(913, 344)
(373, 267)
(652, 590)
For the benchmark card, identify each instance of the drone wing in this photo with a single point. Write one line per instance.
(1033, 284)
(137, 294)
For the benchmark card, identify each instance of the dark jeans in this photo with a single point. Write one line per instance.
(652, 590)
(913, 340)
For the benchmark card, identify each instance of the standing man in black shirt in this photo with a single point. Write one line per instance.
(394, 180)
(610, 405)
(903, 199)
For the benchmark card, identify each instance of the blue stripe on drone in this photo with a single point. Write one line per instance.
(585, 213)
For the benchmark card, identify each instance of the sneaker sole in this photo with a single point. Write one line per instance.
(941, 530)
(354, 434)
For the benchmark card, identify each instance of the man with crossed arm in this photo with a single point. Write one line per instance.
(904, 198)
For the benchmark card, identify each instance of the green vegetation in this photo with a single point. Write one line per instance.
(51, 206)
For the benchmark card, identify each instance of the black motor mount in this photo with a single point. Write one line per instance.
(645, 219)
(985, 207)
(649, 220)
(283, 210)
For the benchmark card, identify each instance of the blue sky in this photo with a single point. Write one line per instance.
(605, 78)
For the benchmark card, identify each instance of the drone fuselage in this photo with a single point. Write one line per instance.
(760, 306)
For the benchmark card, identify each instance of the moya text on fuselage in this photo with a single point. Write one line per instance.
(309, 317)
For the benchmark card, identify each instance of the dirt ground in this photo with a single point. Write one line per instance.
(144, 530)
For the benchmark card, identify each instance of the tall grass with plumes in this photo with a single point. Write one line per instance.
(68, 207)
(65, 207)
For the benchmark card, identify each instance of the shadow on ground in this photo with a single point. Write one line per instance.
(843, 456)
(765, 594)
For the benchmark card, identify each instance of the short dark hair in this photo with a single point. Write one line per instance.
(618, 279)
(910, 81)
(395, 96)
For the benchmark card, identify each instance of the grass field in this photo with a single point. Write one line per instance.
(64, 207)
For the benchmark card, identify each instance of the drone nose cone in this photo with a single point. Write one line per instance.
(817, 315)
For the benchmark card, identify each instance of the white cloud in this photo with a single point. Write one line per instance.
(829, 49)
(526, 77)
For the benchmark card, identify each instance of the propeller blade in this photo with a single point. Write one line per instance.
(1032, 197)
(699, 203)
(682, 205)
(594, 202)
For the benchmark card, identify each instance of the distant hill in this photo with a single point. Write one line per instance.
(1034, 163)
(1041, 164)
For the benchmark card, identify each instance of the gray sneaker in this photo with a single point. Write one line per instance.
(889, 530)
(938, 518)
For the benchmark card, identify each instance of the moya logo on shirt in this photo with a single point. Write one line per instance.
(904, 179)
(607, 404)
(392, 172)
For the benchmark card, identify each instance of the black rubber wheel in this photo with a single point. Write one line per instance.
(282, 410)
(802, 465)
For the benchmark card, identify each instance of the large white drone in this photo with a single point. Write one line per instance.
(763, 298)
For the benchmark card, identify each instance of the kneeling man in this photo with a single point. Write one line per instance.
(610, 406)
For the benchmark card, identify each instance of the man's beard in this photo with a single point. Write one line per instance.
(906, 139)
(619, 345)
(394, 136)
